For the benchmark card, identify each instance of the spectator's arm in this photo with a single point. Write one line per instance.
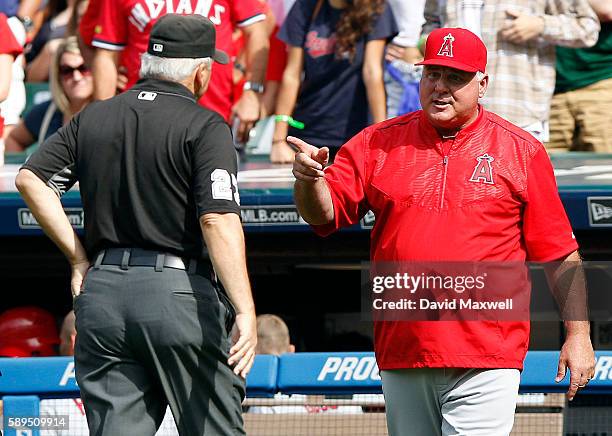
(409, 18)
(287, 97)
(570, 24)
(104, 70)
(270, 21)
(432, 15)
(38, 69)
(28, 8)
(603, 9)
(6, 68)
(248, 108)
(87, 51)
(268, 100)
(257, 48)
(373, 78)
(19, 139)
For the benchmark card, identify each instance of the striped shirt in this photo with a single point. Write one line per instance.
(522, 76)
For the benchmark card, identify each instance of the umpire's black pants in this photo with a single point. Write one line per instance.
(148, 338)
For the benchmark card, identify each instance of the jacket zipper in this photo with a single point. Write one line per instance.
(445, 164)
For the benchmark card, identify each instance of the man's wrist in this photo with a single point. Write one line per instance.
(27, 22)
(252, 96)
(256, 87)
(541, 26)
(80, 261)
(577, 328)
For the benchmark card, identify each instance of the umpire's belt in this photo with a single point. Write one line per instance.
(127, 257)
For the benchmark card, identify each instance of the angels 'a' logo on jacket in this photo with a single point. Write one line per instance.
(447, 46)
(483, 172)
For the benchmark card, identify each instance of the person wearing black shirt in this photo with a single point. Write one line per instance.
(157, 176)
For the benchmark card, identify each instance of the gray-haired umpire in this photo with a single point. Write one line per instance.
(157, 176)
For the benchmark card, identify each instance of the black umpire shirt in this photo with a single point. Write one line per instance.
(149, 163)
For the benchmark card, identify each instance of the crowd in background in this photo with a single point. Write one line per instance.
(328, 67)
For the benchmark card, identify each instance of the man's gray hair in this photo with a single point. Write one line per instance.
(480, 75)
(174, 69)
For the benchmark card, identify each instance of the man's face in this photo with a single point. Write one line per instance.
(449, 96)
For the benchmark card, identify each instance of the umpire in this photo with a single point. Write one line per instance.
(157, 174)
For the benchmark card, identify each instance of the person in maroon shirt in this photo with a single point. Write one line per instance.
(450, 183)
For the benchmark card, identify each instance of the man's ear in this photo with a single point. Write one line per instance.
(483, 85)
(201, 80)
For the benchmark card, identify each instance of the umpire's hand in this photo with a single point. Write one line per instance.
(78, 272)
(242, 354)
(309, 161)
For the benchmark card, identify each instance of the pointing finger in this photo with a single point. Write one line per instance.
(302, 146)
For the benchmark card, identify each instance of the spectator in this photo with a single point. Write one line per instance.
(273, 336)
(521, 42)
(38, 68)
(119, 31)
(9, 50)
(71, 89)
(68, 335)
(276, 62)
(401, 75)
(16, 99)
(338, 45)
(25, 11)
(580, 112)
(28, 331)
(57, 14)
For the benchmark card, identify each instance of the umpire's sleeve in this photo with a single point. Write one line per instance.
(215, 171)
(55, 160)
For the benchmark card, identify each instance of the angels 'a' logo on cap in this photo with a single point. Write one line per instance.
(447, 46)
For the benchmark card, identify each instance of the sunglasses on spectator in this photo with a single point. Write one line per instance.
(67, 71)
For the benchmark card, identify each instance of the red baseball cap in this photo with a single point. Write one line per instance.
(455, 47)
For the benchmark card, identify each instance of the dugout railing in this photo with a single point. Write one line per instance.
(320, 394)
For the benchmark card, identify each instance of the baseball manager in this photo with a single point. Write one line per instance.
(157, 177)
(456, 183)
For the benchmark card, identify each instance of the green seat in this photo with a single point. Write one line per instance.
(36, 92)
(20, 157)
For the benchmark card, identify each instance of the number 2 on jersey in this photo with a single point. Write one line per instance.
(222, 186)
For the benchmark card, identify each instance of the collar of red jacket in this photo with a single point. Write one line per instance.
(431, 135)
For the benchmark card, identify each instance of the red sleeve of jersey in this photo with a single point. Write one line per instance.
(111, 31)
(8, 42)
(277, 59)
(346, 182)
(245, 12)
(546, 229)
(89, 21)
